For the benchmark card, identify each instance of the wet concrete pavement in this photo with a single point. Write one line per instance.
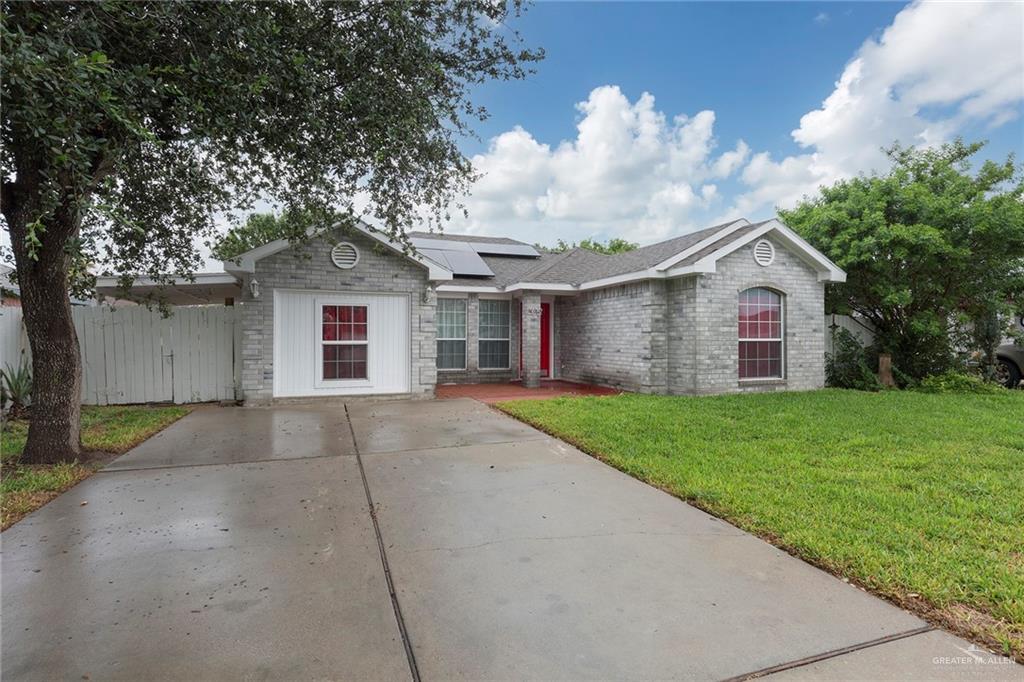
(258, 571)
(217, 435)
(239, 544)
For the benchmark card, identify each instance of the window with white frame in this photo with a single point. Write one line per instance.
(344, 339)
(451, 333)
(760, 334)
(495, 323)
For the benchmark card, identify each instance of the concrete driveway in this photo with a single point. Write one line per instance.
(239, 543)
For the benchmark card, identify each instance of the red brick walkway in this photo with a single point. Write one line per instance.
(493, 393)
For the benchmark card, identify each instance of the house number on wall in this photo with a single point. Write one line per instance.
(533, 311)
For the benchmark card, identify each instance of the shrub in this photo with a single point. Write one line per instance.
(849, 364)
(16, 388)
(957, 382)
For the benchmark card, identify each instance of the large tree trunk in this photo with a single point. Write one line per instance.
(54, 430)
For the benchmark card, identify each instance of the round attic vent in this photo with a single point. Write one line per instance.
(345, 256)
(764, 252)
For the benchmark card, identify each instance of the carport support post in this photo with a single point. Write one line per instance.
(531, 340)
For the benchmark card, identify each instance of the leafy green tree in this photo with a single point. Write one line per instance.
(128, 125)
(258, 229)
(615, 245)
(932, 252)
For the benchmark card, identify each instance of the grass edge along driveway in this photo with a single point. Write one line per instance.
(106, 430)
(916, 497)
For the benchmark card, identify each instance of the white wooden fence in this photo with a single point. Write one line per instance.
(13, 342)
(135, 355)
(859, 328)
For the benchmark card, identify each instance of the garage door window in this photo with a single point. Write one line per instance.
(451, 333)
(343, 335)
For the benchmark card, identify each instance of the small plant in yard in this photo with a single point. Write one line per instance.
(958, 382)
(16, 389)
(849, 364)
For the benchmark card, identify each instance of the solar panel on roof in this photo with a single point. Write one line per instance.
(467, 263)
(435, 255)
(441, 244)
(505, 249)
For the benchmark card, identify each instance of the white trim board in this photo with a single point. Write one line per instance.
(827, 270)
(199, 279)
(703, 243)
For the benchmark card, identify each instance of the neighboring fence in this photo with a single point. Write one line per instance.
(13, 342)
(135, 355)
(859, 329)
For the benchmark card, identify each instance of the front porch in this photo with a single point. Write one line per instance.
(491, 338)
(498, 392)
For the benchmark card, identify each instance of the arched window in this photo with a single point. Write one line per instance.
(760, 334)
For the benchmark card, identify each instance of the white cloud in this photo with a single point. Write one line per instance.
(938, 68)
(629, 171)
(632, 171)
(821, 18)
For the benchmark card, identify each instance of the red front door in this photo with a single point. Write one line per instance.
(545, 339)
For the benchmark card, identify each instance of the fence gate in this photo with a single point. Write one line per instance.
(135, 355)
(132, 354)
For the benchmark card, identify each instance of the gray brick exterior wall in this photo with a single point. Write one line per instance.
(604, 336)
(716, 339)
(473, 374)
(308, 267)
(680, 336)
(681, 313)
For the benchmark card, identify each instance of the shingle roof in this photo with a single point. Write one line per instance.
(507, 270)
(581, 265)
(577, 265)
(648, 256)
(724, 241)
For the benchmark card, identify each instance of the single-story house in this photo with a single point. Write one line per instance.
(734, 307)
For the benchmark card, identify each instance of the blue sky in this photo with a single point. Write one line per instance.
(760, 66)
(863, 75)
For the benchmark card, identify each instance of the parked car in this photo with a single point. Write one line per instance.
(1010, 369)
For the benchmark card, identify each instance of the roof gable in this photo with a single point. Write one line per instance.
(705, 260)
(246, 263)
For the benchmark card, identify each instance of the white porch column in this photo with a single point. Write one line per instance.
(531, 339)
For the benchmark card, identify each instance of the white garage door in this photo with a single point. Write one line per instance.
(340, 343)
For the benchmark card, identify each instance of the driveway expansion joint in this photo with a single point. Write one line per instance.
(834, 653)
(406, 643)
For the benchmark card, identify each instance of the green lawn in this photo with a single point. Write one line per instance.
(104, 429)
(918, 497)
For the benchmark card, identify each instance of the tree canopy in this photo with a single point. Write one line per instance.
(127, 126)
(614, 245)
(933, 252)
(258, 229)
